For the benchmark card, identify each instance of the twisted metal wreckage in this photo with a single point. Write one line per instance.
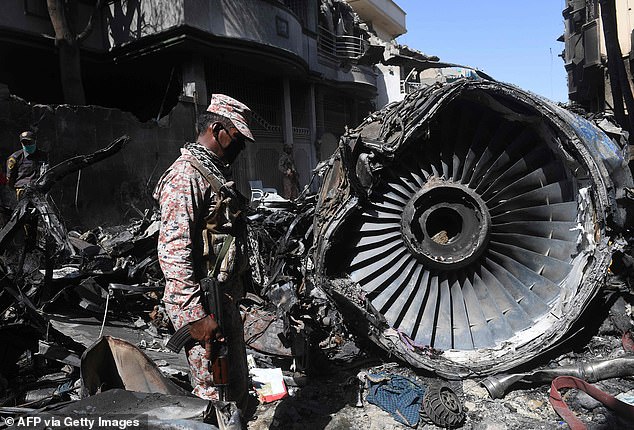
(464, 230)
(471, 224)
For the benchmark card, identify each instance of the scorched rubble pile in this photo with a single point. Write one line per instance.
(442, 275)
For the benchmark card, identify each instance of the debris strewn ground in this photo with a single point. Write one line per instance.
(68, 289)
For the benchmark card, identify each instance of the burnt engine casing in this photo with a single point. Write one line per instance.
(470, 225)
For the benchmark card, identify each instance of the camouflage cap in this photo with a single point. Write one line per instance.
(232, 109)
(27, 136)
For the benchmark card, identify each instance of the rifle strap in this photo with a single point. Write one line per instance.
(221, 255)
(215, 185)
(207, 174)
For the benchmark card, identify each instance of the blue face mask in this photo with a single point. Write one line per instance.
(29, 149)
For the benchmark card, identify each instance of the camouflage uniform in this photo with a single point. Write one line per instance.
(186, 250)
(286, 165)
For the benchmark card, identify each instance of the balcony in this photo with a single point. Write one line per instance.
(410, 87)
(340, 48)
(387, 18)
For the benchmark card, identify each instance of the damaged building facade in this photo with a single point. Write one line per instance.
(585, 51)
(306, 68)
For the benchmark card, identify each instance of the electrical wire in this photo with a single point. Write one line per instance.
(105, 312)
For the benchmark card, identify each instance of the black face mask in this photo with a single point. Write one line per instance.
(233, 150)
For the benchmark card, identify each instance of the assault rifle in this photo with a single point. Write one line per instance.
(219, 366)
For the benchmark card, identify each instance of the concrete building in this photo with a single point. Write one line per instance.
(585, 53)
(387, 20)
(307, 68)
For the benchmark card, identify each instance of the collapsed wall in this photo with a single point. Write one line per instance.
(111, 191)
(469, 225)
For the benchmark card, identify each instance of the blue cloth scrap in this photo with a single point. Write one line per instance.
(402, 397)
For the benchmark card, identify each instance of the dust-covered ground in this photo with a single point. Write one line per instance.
(330, 400)
(116, 291)
(329, 403)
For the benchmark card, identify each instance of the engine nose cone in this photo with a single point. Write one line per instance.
(446, 225)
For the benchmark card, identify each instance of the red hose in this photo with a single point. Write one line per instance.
(621, 408)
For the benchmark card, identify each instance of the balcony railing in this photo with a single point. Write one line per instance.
(410, 87)
(338, 48)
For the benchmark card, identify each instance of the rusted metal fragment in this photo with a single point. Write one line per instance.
(114, 363)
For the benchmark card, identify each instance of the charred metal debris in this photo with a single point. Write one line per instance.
(471, 224)
(465, 232)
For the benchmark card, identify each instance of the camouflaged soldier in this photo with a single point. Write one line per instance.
(290, 179)
(200, 210)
